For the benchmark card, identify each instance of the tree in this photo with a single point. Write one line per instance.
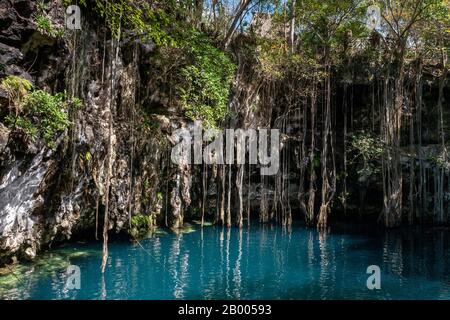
(401, 21)
(243, 4)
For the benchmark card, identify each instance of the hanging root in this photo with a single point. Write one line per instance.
(323, 217)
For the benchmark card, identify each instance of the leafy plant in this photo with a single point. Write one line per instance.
(440, 160)
(45, 25)
(47, 111)
(369, 149)
(67, 3)
(44, 22)
(137, 17)
(23, 124)
(206, 81)
(17, 89)
(141, 224)
(141, 221)
(42, 6)
(38, 113)
(75, 103)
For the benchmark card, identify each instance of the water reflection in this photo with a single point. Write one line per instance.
(237, 269)
(264, 262)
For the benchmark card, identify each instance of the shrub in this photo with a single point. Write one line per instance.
(206, 81)
(17, 89)
(139, 18)
(44, 23)
(47, 112)
(45, 26)
(369, 149)
(38, 114)
(23, 124)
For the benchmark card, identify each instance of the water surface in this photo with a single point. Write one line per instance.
(265, 262)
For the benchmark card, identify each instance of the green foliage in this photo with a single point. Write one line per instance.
(366, 145)
(17, 89)
(45, 25)
(23, 124)
(47, 112)
(206, 72)
(369, 149)
(327, 24)
(42, 6)
(440, 160)
(206, 81)
(67, 3)
(40, 114)
(138, 17)
(15, 83)
(75, 103)
(141, 224)
(141, 221)
(272, 57)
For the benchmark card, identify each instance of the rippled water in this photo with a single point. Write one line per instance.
(262, 263)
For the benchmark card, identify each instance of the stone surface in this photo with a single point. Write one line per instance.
(48, 196)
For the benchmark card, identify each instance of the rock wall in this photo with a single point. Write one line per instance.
(50, 195)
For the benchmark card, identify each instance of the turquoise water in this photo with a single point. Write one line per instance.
(262, 263)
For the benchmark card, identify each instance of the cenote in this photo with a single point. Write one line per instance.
(263, 262)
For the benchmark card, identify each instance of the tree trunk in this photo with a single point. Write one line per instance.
(328, 187)
(392, 135)
(292, 26)
(240, 11)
